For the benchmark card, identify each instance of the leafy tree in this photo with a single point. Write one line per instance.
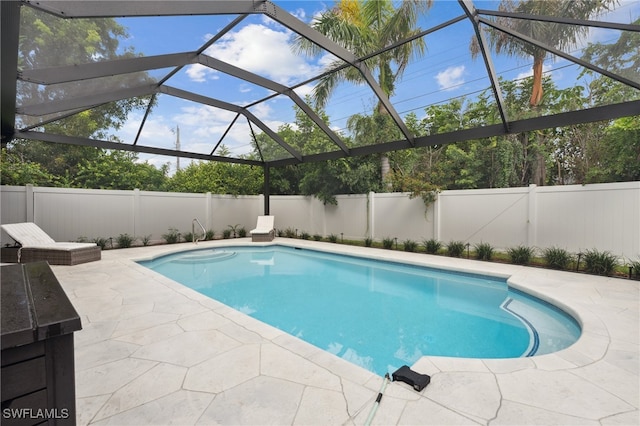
(321, 179)
(611, 150)
(560, 36)
(43, 38)
(621, 57)
(16, 171)
(218, 178)
(354, 175)
(623, 149)
(621, 159)
(364, 27)
(119, 170)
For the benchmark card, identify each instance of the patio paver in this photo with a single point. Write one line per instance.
(154, 352)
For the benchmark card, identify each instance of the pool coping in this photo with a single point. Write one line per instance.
(469, 390)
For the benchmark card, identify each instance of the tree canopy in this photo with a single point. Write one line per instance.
(602, 151)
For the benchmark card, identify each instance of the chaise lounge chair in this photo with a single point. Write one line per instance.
(264, 231)
(36, 245)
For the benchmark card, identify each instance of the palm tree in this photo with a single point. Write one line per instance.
(552, 34)
(556, 35)
(364, 27)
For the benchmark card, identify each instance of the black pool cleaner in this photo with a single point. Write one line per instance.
(416, 380)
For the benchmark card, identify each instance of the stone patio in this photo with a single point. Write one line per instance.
(154, 352)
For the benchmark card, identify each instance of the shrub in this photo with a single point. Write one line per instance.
(210, 235)
(305, 235)
(599, 262)
(520, 255)
(484, 251)
(317, 237)
(368, 242)
(280, 233)
(333, 238)
(387, 243)
(557, 258)
(226, 234)
(410, 245)
(102, 242)
(124, 240)
(432, 246)
(635, 269)
(146, 240)
(455, 248)
(234, 228)
(242, 232)
(172, 236)
(290, 233)
(189, 237)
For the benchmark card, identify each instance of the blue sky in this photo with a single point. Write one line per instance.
(261, 46)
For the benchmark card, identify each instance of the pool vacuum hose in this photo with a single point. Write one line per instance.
(375, 404)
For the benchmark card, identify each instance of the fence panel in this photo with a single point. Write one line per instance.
(228, 210)
(297, 212)
(157, 212)
(69, 214)
(395, 215)
(13, 207)
(348, 218)
(496, 216)
(603, 216)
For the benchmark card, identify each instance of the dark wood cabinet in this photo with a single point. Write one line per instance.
(38, 322)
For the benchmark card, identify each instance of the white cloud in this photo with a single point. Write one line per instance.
(304, 90)
(155, 130)
(451, 77)
(200, 73)
(264, 51)
(326, 60)
(299, 13)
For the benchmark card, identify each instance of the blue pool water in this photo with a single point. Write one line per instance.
(379, 315)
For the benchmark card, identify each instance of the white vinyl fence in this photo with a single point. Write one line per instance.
(574, 217)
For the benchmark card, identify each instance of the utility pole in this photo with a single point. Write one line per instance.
(177, 147)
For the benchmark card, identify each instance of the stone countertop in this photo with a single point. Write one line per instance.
(34, 305)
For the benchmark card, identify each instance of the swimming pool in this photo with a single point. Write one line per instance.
(377, 314)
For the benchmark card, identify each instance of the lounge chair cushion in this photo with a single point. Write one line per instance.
(28, 234)
(37, 246)
(264, 230)
(264, 225)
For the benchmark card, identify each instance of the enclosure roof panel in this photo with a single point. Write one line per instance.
(238, 73)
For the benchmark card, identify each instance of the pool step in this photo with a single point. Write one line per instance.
(203, 256)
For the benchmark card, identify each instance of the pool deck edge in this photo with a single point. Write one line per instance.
(143, 358)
